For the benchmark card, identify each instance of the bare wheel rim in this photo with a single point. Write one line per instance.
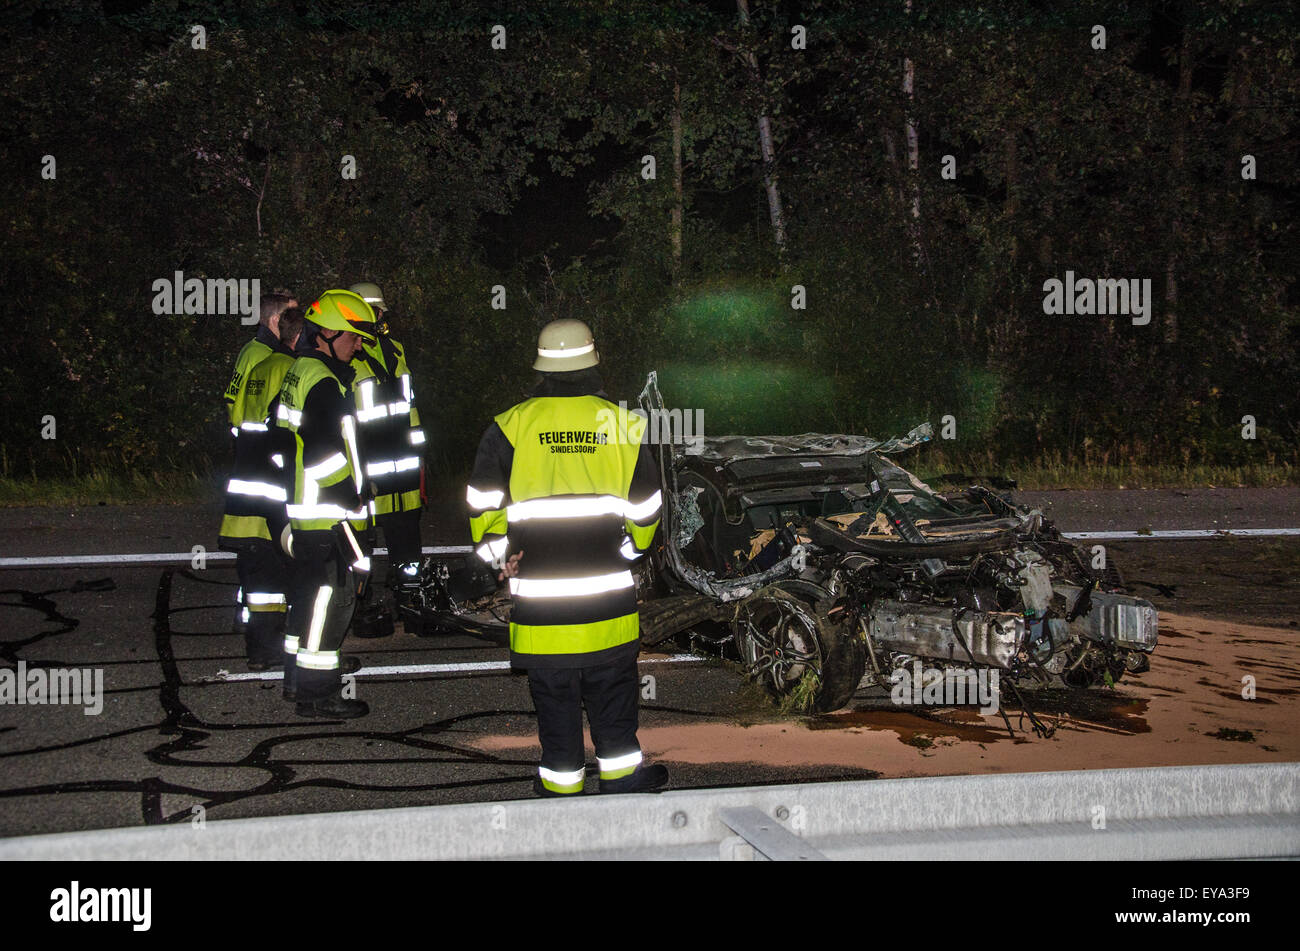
(785, 641)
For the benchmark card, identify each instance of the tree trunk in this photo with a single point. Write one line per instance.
(913, 152)
(676, 226)
(1182, 118)
(765, 145)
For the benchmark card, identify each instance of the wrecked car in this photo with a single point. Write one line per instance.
(818, 564)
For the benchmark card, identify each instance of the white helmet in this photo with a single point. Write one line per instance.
(565, 345)
(370, 293)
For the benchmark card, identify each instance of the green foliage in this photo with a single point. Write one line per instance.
(521, 167)
(802, 697)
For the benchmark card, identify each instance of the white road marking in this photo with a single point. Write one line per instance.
(1187, 533)
(170, 558)
(227, 677)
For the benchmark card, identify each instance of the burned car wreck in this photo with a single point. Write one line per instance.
(815, 561)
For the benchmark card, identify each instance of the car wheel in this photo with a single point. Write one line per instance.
(804, 660)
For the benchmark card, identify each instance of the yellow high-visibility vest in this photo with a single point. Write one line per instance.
(566, 506)
(327, 476)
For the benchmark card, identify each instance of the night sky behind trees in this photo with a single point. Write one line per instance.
(523, 167)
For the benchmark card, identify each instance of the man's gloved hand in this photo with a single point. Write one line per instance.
(510, 568)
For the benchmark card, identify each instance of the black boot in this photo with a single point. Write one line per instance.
(333, 707)
(264, 640)
(347, 665)
(645, 779)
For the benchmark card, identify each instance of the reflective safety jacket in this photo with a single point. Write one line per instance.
(566, 481)
(326, 478)
(258, 489)
(253, 353)
(388, 426)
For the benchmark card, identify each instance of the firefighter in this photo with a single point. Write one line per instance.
(316, 407)
(244, 536)
(392, 445)
(255, 499)
(563, 498)
(256, 350)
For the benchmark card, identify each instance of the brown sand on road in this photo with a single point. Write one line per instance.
(1187, 710)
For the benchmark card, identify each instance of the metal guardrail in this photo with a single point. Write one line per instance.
(1197, 812)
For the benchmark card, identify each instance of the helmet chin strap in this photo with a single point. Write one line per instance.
(329, 342)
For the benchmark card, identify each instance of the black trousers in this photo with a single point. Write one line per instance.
(401, 536)
(610, 694)
(321, 601)
(264, 577)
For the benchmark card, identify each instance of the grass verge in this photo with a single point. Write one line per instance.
(110, 488)
(180, 488)
(1056, 473)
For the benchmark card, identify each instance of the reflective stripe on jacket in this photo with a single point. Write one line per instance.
(315, 405)
(258, 489)
(252, 353)
(566, 481)
(388, 425)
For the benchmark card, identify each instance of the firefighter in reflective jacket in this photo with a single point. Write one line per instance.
(392, 445)
(254, 352)
(563, 498)
(255, 501)
(316, 408)
(244, 538)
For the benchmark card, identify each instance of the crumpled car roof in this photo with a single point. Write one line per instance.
(724, 449)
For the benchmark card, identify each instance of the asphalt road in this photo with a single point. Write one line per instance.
(173, 740)
(102, 529)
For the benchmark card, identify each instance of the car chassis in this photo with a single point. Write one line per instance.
(819, 565)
